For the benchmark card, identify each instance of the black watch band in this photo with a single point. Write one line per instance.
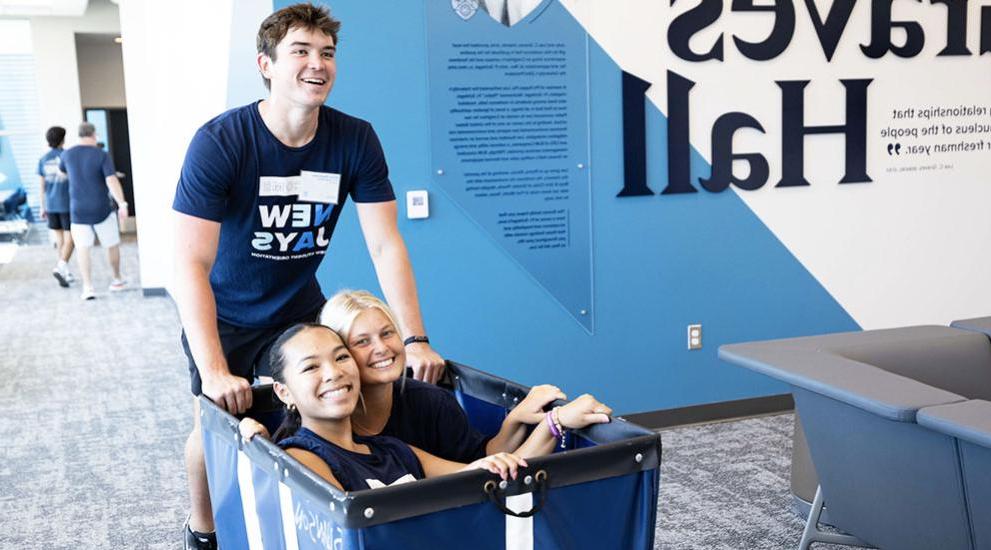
(416, 340)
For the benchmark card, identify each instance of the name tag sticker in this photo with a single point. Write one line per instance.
(319, 186)
(275, 186)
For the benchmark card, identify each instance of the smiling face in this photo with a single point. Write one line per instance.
(304, 67)
(319, 375)
(377, 348)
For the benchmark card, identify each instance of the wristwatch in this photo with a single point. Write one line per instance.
(416, 340)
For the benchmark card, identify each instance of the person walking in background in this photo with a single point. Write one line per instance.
(55, 202)
(91, 176)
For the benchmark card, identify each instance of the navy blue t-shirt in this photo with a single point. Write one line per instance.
(56, 182)
(430, 418)
(89, 197)
(277, 206)
(390, 463)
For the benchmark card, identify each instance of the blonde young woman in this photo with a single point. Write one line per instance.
(429, 417)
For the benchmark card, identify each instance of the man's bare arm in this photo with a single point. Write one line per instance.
(196, 242)
(41, 198)
(117, 191)
(395, 275)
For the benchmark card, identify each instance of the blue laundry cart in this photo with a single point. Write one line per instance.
(600, 492)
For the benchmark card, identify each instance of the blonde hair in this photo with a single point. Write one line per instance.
(343, 308)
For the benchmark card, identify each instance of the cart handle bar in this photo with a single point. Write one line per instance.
(540, 478)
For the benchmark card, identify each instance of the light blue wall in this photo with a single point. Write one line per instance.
(10, 179)
(661, 263)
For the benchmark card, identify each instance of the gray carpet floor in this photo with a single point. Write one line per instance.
(95, 409)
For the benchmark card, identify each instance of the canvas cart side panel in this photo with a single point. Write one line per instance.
(480, 525)
(262, 498)
(225, 492)
(616, 512)
(575, 517)
(601, 495)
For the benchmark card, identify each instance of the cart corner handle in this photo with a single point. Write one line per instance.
(491, 490)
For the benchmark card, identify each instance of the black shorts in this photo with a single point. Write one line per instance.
(58, 221)
(246, 350)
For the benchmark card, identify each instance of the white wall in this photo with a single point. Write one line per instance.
(175, 68)
(906, 248)
(173, 87)
(244, 53)
(54, 44)
(15, 37)
(101, 72)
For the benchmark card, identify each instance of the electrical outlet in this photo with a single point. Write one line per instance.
(694, 337)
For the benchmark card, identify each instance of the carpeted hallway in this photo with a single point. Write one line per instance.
(95, 407)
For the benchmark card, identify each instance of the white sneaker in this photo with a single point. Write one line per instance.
(117, 285)
(88, 294)
(68, 276)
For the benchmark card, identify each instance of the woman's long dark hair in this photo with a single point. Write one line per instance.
(277, 358)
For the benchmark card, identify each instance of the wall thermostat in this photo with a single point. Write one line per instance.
(417, 204)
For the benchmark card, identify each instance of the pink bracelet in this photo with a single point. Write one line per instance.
(553, 427)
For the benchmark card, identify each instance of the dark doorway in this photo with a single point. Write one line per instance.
(111, 126)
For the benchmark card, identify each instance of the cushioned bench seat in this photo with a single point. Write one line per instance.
(892, 418)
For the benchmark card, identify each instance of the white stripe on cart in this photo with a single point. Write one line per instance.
(519, 531)
(248, 505)
(288, 517)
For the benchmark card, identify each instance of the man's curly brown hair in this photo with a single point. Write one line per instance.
(305, 16)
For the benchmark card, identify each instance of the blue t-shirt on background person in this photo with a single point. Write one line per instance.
(277, 206)
(391, 461)
(56, 182)
(429, 418)
(89, 198)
